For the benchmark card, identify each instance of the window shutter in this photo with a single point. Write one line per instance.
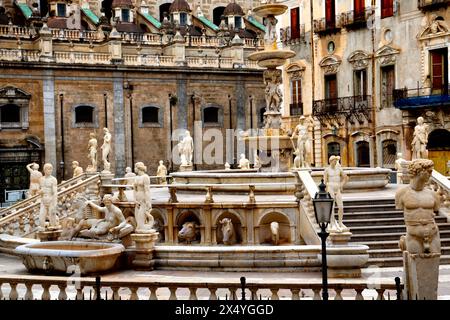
(295, 23)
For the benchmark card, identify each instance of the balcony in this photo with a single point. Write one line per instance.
(407, 99)
(353, 109)
(431, 5)
(356, 20)
(296, 109)
(324, 27)
(289, 36)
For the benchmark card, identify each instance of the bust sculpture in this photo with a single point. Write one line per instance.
(186, 148)
(420, 140)
(106, 148)
(244, 163)
(161, 172)
(303, 146)
(77, 170)
(419, 205)
(35, 179)
(141, 187)
(335, 179)
(92, 156)
(49, 200)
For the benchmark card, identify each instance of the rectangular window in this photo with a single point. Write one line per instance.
(387, 86)
(296, 107)
(387, 8)
(125, 15)
(295, 23)
(331, 93)
(238, 22)
(330, 14)
(360, 83)
(61, 9)
(183, 19)
(439, 70)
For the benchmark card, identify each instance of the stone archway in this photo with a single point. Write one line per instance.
(439, 149)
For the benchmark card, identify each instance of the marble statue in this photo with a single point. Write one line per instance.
(129, 174)
(399, 168)
(419, 205)
(113, 226)
(228, 232)
(77, 170)
(270, 37)
(92, 147)
(189, 232)
(161, 172)
(227, 166)
(106, 148)
(303, 146)
(35, 179)
(421, 246)
(257, 164)
(186, 148)
(335, 179)
(141, 187)
(274, 231)
(49, 200)
(273, 94)
(420, 140)
(244, 163)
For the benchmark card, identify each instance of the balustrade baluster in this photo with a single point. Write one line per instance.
(233, 293)
(46, 293)
(338, 294)
(193, 293)
(173, 294)
(295, 294)
(79, 295)
(13, 294)
(153, 295)
(115, 294)
(274, 294)
(316, 294)
(29, 292)
(134, 295)
(62, 291)
(380, 295)
(359, 295)
(1, 292)
(254, 293)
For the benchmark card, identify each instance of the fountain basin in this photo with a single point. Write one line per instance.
(270, 9)
(271, 58)
(70, 256)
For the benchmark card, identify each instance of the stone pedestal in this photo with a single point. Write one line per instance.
(105, 179)
(421, 276)
(49, 235)
(340, 238)
(187, 167)
(346, 261)
(145, 245)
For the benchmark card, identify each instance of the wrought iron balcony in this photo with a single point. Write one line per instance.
(324, 27)
(421, 97)
(430, 5)
(356, 20)
(352, 109)
(296, 109)
(288, 36)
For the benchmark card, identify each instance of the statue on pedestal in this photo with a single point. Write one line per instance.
(244, 163)
(303, 147)
(141, 187)
(399, 168)
(420, 140)
(162, 172)
(335, 179)
(186, 148)
(92, 147)
(77, 170)
(49, 200)
(421, 246)
(273, 94)
(35, 179)
(106, 148)
(257, 164)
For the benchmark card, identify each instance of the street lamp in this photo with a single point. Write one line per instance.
(323, 206)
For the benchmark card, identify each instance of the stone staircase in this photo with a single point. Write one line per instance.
(377, 224)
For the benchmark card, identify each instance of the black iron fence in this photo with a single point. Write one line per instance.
(417, 97)
(353, 108)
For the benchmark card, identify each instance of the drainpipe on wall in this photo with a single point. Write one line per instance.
(61, 164)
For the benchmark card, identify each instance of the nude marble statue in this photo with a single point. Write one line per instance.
(49, 200)
(129, 174)
(141, 187)
(106, 148)
(92, 147)
(244, 163)
(303, 147)
(77, 170)
(335, 179)
(186, 149)
(161, 172)
(35, 179)
(420, 140)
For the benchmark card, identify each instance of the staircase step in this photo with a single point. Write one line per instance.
(352, 223)
(368, 207)
(369, 202)
(372, 215)
(398, 261)
(385, 253)
(393, 244)
(390, 228)
(387, 236)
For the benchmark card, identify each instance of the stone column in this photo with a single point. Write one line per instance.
(207, 223)
(182, 106)
(145, 246)
(240, 103)
(49, 118)
(118, 144)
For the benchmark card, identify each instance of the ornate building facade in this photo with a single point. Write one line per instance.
(365, 73)
(142, 69)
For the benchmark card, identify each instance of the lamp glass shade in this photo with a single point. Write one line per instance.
(323, 209)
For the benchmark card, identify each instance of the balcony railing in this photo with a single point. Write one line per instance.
(354, 108)
(287, 35)
(430, 5)
(296, 109)
(356, 20)
(323, 27)
(421, 97)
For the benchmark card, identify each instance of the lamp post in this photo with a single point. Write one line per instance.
(323, 206)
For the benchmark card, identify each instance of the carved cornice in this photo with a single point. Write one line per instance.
(435, 28)
(359, 59)
(295, 71)
(387, 55)
(330, 64)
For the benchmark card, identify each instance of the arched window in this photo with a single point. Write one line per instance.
(150, 114)
(163, 8)
(10, 113)
(211, 115)
(362, 154)
(217, 14)
(389, 153)
(333, 149)
(84, 114)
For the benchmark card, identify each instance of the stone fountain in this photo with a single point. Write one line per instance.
(274, 145)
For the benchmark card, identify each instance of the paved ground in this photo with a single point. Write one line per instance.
(13, 265)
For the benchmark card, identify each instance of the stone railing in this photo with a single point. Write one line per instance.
(23, 221)
(74, 35)
(441, 185)
(30, 287)
(144, 38)
(19, 55)
(36, 199)
(15, 31)
(82, 57)
(306, 190)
